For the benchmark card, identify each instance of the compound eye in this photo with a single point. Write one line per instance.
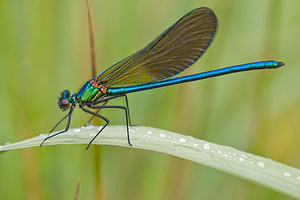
(64, 104)
(65, 93)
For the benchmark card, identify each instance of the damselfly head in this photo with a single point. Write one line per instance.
(63, 101)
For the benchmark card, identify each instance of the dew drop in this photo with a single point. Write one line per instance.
(131, 131)
(182, 140)
(244, 156)
(241, 159)
(76, 130)
(287, 174)
(149, 132)
(162, 135)
(251, 163)
(298, 178)
(206, 146)
(195, 145)
(219, 152)
(261, 164)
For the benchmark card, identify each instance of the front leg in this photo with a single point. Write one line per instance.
(66, 129)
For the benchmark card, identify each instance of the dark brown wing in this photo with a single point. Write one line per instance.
(170, 53)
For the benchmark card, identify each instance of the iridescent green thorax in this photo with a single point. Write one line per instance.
(90, 92)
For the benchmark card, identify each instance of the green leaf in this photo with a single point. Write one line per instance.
(263, 171)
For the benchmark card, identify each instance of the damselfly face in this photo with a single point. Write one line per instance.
(63, 101)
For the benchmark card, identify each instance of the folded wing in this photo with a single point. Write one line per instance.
(170, 53)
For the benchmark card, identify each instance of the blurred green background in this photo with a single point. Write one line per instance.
(44, 49)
